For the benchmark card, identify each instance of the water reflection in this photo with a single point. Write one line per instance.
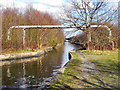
(8, 72)
(67, 47)
(38, 71)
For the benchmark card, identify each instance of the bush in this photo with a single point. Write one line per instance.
(52, 43)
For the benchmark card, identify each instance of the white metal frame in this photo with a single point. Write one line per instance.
(53, 27)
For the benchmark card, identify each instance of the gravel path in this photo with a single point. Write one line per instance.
(90, 75)
(87, 76)
(87, 67)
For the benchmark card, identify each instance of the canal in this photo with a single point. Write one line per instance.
(35, 72)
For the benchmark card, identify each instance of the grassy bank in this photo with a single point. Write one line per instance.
(106, 64)
(68, 79)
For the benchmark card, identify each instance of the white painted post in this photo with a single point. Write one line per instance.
(23, 38)
(9, 33)
(105, 27)
(90, 34)
(54, 26)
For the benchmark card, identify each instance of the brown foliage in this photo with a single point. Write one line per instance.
(34, 38)
(99, 38)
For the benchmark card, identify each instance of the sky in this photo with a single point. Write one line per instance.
(50, 6)
(53, 7)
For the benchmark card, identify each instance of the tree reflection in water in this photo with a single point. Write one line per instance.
(35, 72)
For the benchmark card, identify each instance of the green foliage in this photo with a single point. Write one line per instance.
(52, 43)
(58, 85)
(75, 56)
(22, 51)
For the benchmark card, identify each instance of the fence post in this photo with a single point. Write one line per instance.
(23, 38)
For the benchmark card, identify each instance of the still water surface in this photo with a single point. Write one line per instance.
(36, 72)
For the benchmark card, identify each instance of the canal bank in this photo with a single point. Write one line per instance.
(88, 70)
(25, 55)
(35, 72)
(64, 77)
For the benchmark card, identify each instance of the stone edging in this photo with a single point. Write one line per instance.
(26, 55)
(61, 71)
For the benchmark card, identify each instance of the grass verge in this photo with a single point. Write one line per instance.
(67, 80)
(107, 64)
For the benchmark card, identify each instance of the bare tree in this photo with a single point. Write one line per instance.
(31, 39)
(85, 13)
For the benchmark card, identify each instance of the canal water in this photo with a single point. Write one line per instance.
(35, 72)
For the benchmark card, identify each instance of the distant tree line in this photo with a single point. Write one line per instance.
(99, 38)
(35, 38)
(85, 13)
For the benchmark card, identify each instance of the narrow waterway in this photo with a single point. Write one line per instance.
(35, 72)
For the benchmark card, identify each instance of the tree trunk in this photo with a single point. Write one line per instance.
(116, 44)
(23, 41)
(88, 39)
(112, 45)
(102, 49)
(40, 46)
(23, 38)
(88, 46)
(94, 46)
(40, 42)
